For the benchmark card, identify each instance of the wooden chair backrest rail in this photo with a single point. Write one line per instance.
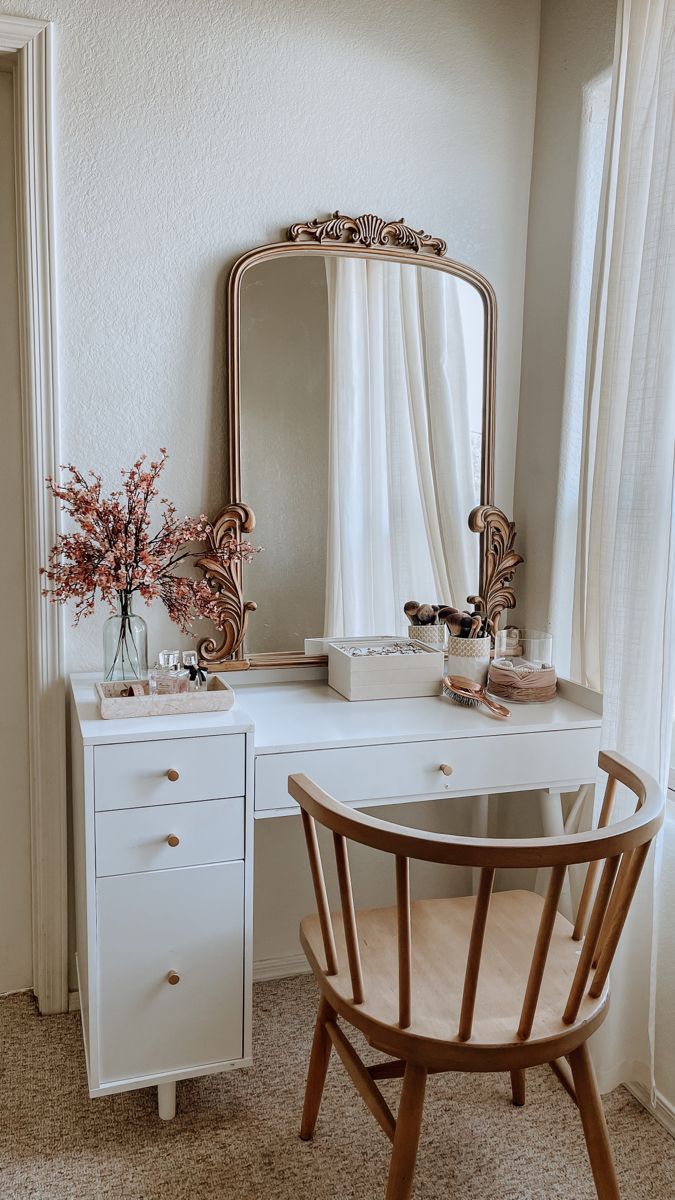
(540, 953)
(622, 848)
(480, 916)
(591, 874)
(404, 941)
(349, 916)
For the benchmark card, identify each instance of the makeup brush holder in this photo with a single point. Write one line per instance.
(429, 635)
(469, 657)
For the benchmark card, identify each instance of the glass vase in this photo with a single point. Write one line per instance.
(125, 643)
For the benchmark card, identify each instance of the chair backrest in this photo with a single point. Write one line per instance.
(614, 852)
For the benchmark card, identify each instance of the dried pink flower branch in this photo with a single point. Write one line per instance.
(116, 553)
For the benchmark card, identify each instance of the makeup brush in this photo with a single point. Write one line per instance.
(421, 614)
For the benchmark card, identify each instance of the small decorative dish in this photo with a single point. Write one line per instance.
(133, 699)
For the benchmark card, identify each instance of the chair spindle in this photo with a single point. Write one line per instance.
(404, 941)
(582, 972)
(320, 894)
(349, 917)
(540, 953)
(480, 916)
(591, 873)
(616, 916)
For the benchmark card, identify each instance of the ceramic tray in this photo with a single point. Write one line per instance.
(217, 696)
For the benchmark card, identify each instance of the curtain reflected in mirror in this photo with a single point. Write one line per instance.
(362, 385)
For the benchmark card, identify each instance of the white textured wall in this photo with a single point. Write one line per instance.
(15, 898)
(188, 132)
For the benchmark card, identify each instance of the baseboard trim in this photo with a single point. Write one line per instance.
(662, 1111)
(16, 992)
(280, 968)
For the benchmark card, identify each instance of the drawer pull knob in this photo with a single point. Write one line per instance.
(172, 775)
(446, 769)
(173, 840)
(173, 978)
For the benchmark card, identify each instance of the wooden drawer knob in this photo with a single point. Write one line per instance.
(173, 840)
(447, 770)
(173, 978)
(172, 775)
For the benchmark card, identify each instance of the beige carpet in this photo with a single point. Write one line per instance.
(236, 1135)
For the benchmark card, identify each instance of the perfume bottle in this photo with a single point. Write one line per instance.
(197, 677)
(168, 677)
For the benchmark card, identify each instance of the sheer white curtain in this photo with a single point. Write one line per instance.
(400, 464)
(622, 631)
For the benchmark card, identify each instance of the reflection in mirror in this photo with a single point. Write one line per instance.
(362, 385)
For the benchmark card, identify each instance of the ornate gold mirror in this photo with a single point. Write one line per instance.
(361, 379)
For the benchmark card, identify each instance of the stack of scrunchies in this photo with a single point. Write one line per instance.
(521, 681)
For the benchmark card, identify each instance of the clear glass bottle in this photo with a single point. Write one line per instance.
(197, 676)
(125, 643)
(168, 677)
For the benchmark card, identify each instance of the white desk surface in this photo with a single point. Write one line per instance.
(305, 716)
(96, 731)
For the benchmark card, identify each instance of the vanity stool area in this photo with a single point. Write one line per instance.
(162, 827)
(163, 834)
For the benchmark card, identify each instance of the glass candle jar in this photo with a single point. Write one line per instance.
(532, 647)
(522, 668)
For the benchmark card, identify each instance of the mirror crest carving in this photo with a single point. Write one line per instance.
(367, 230)
(366, 237)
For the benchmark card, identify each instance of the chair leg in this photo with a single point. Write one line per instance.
(518, 1088)
(408, 1124)
(316, 1074)
(595, 1126)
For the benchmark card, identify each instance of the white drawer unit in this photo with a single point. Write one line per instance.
(171, 947)
(169, 835)
(162, 825)
(136, 774)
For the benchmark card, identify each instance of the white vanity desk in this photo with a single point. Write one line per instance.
(385, 751)
(163, 841)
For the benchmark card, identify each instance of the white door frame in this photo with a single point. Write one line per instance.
(32, 43)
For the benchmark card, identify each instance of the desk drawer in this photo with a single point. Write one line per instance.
(358, 774)
(188, 922)
(137, 774)
(137, 839)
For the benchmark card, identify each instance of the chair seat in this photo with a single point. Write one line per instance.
(440, 938)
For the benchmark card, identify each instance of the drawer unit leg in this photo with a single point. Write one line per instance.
(553, 824)
(479, 829)
(166, 1100)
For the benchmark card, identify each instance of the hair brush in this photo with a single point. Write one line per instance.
(465, 691)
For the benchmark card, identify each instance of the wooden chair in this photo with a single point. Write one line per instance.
(495, 982)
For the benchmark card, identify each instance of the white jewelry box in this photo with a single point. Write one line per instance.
(384, 673)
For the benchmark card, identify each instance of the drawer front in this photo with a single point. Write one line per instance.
(137, 774)
(169, 835)
(358, 774)
(190, 922)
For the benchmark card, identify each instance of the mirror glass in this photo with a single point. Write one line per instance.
(362, 384)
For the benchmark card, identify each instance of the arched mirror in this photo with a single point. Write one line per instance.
(361, 375)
